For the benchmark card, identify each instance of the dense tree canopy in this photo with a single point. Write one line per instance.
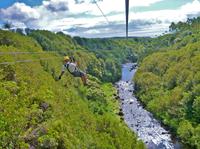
(168, 82)
(37, 111)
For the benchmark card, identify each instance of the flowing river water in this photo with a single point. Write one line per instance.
(137, 118)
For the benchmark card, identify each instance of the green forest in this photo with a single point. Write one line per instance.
(38, 111)
(168, 82)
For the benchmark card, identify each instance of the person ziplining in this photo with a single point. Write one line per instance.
(70, 64)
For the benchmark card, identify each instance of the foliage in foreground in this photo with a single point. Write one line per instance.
(35, 110)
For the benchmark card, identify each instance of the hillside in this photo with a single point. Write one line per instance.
(37, 111)
(168, 82)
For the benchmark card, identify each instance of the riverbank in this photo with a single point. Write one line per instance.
(137, 118)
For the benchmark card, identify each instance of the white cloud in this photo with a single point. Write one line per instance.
(57, 15)
(92, 31)
(191, 8)
(107, 5)
(56, 5)
(19, 11)
(161, 19)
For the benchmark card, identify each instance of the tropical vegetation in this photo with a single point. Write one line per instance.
(38, 111)
(168, 82)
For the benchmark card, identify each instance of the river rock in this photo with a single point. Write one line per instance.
(140, 120)
(151, 145)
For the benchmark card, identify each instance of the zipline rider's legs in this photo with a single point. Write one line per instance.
(82, 75)
(84, 79)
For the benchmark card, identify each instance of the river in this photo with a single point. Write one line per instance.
(142, 122)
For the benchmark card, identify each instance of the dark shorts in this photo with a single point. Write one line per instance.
(78, 73)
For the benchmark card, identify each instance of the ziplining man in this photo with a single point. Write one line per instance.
(71, 65)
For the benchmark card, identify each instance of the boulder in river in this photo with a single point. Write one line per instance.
(152, 145)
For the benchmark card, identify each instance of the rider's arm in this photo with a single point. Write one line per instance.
(62, 72)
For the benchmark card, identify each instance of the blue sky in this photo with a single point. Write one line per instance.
(165, 4)
(7, 3)
(83, 18)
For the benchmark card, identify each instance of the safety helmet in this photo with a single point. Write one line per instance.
(66, 58)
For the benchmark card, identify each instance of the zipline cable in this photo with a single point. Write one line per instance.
(101, 12)
(18, 53)
(127, 15)
(44, 52)
(26, 61)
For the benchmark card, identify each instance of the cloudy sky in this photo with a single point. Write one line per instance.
(83, 18)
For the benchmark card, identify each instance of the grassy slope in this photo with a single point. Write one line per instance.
(168, 84)
(38, 111)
